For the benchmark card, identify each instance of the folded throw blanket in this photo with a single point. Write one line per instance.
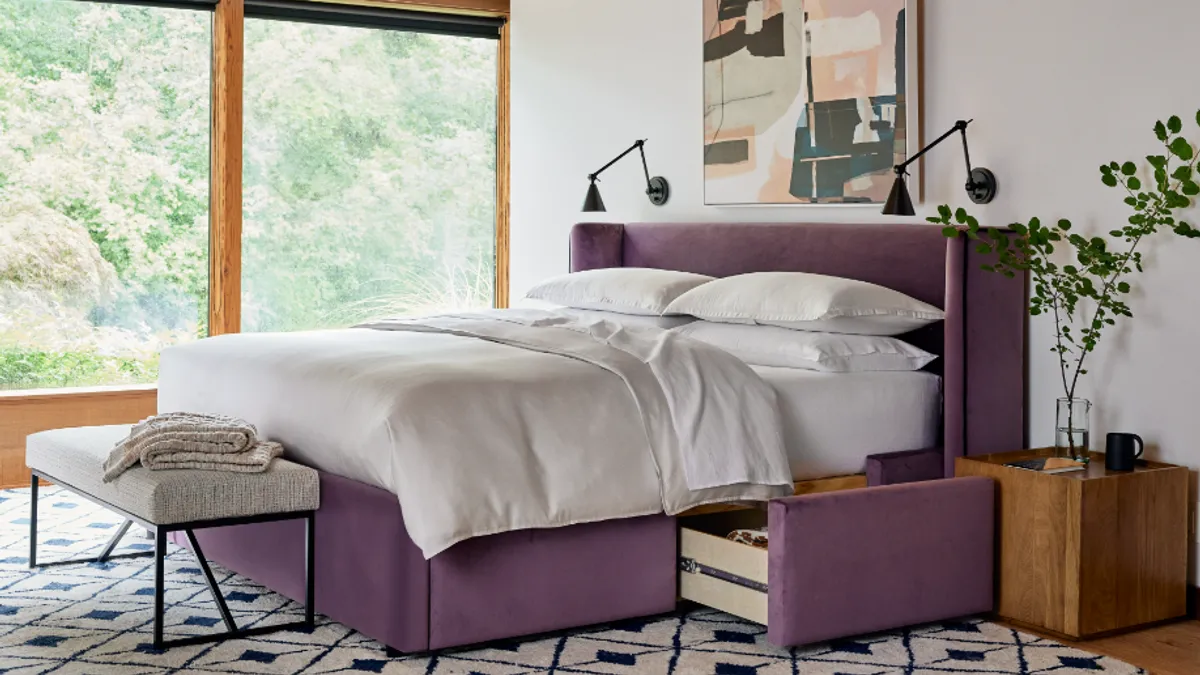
(192, 441)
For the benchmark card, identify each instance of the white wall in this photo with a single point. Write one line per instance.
(1056, 89)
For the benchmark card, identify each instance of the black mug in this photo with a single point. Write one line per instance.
(1119, 452)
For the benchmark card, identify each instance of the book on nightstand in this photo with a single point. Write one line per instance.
(1048, 465)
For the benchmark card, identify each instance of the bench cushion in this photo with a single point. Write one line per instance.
(76, 458)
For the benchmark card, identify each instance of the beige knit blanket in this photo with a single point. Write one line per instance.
(192, 441)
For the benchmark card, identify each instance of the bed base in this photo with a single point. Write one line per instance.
(371, 577)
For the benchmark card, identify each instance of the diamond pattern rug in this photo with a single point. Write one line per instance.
(97, 619)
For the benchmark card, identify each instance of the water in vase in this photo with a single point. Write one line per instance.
(1071, 437)
(1063, 438)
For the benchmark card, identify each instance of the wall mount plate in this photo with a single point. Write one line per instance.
(660, 191)
(983, 186)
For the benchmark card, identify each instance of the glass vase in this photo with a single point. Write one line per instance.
(1072, 429)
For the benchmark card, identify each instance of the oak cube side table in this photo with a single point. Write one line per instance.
(1087, 553)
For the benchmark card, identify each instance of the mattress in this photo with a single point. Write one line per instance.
(833, 421)
(566, 428)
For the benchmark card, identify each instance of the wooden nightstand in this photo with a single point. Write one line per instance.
(1088, 552)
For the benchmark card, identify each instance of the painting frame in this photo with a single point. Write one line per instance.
(913, 52)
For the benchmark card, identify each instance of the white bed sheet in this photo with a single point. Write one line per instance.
(540, 425)
(832, 421)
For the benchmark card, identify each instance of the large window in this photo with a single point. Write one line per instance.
(370, 174)
(366, 144)
(104, 165)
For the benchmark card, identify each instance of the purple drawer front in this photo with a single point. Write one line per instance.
(860, 561)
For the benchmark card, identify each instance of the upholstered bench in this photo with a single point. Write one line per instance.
(173, 501)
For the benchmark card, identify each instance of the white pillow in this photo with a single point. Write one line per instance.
(826, 352)
(628, 290)
(664, 322)
(803, 301)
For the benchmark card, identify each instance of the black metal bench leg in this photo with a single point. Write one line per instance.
(212, 582)
(105, 555)
(233, 631)
(113, 541)
(33, 509)
(160, 554)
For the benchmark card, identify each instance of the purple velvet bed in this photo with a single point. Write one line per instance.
(372, 578)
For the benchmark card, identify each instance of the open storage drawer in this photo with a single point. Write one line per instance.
(849, 562)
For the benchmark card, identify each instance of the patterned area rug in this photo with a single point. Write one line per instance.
(97, 619)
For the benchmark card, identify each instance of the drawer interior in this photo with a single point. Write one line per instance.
(720, 573)
(721, 524)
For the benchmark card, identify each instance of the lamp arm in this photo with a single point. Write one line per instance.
(959, 126)
(981, 183)
(636, 146)
(657, 187)
(966, 154)
(645, 167)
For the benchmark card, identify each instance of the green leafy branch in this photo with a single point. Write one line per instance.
(1096, 271)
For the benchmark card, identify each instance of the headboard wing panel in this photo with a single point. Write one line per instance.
(982, 341)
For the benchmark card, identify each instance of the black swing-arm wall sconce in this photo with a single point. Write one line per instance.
(981, 183)
(657, 188)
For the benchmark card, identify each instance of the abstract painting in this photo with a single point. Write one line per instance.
(807, 101)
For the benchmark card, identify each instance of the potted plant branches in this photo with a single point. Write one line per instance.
(1082, 281)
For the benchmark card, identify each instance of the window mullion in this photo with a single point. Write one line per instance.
(502, 170)
(225, 216)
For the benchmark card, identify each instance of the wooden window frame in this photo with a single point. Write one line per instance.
(225, 171)
(225, 214)
(28, 411)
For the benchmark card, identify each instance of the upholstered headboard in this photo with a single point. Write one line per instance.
(981, 342)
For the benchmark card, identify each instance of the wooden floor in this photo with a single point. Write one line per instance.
(1172, 649)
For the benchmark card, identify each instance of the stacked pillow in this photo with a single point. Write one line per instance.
(803, 301)
(633, 296)
(825, 352)
(787, 319)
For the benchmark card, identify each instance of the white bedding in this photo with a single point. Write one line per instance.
(476, 436)
(832, 421)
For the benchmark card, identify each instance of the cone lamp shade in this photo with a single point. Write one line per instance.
(593, 203)
(899, 202)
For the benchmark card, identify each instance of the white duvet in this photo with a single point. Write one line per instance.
(505, 420)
